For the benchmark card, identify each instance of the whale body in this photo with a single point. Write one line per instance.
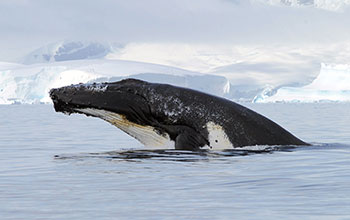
(166, 116)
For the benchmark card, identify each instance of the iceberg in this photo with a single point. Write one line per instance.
(30, 84)
(331, 85)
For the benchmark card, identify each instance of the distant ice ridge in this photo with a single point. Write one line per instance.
(30, 84)
(331, 85)
(67, 50)
(331, 5)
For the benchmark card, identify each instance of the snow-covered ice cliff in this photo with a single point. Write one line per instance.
(31, 83)
(332, 84)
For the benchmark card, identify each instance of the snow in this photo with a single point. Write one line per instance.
(330, 5)
(67, 50)
(246, 73)
(249, 68)
(31, 83)
(243, 65)
(331, 85)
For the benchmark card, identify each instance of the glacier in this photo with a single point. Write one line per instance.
(67, 50)
(30, 84)
(331, 85)
(244, 74)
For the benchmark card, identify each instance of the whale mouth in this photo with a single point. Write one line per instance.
(69, 100)
(64, 106)
(61, 106)
(62, 99)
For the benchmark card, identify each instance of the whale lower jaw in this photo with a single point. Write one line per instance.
(147, 135)
(150, 137)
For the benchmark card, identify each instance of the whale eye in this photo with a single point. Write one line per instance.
(216, 141)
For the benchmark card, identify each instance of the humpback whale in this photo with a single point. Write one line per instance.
(166, 116)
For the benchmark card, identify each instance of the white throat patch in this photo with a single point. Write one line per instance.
(147, 135)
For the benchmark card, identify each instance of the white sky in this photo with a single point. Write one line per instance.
(28, 24)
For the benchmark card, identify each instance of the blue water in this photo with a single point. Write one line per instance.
(54, 166)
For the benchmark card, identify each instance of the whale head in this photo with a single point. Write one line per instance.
(126, 105)
(121, 97)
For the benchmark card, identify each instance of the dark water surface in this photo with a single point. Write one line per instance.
(57, 167)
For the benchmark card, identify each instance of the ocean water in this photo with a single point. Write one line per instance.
(54, 166)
